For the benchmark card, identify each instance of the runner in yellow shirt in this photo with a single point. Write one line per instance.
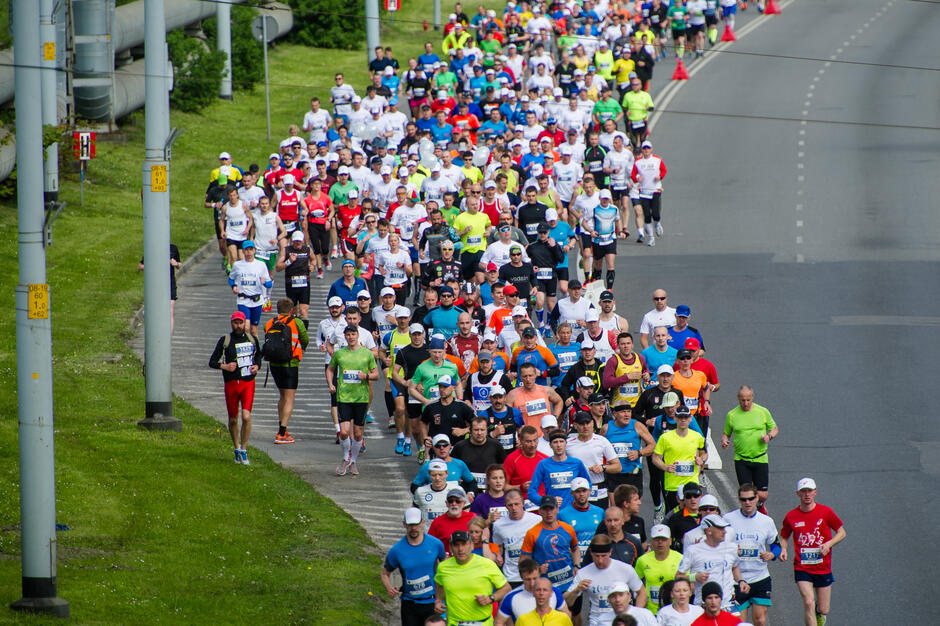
(473, 227)
(681, 454)
(467, 585)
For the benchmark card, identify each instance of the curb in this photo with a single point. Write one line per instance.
(196, 257)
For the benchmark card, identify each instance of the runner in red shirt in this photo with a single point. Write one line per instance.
(521, 462)
(711, 602)
(815, 529)
(456, 518)
(701, 364)
(349, 216)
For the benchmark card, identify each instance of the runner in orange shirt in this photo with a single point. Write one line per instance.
(694, 386)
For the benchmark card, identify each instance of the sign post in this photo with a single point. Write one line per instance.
(84, 146)
(264, 29)
(392, 6)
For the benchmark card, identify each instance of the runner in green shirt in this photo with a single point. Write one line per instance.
(339, 192)
(353, 368)
(751, 427)
(658, 565)
(676, 16)
(607, 108)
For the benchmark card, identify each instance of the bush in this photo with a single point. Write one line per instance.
(329, 23)
(247, 55)
(197, 72)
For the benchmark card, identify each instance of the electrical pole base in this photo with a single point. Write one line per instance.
(56, 607)
(160, 417)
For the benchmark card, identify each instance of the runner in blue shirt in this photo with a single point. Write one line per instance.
(581, 515)
(557, 472)
(566, 351)
(659, 353)
(415, 556)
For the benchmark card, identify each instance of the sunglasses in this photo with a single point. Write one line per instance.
(441, 445)
(515, 254)
(657, 299)
(685, 358)
(751, 499)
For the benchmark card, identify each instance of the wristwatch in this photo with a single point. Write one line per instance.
(492, 599)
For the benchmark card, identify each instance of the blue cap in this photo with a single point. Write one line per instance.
(349, 262)
(574, 90)
(248, 243)
(445, 381)
(436, 344)
(683, 311)
(551, 120)
(320, 144)
(446, 289)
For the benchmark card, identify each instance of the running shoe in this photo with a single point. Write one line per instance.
(342, 468)
(329, 265)
(651, 242)
(391, 421)
(659, 229)
(266, 307)
(639, 238)
(400, 446)
(320, 274)
(362, 450)
(659, 514)
(369, 418)
(422, 456)
(245, 460)
(285, 438)
(238, 456)
(337, 439)
(406, 451)
(335, 253)
(354, 469)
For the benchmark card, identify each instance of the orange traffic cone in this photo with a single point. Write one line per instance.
(680, 73)
(771, 8)
(728, 34)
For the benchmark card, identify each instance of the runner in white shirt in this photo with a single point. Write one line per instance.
(597, 454)
(714, 560)
(660, 315)
(432, 498)
(508, 532)
(619, 600)
(595, 581)
(316, 121)
(434, 186)
(567, 173)
(680, 612)
(573, 118)
(328, 326)
(250, 193)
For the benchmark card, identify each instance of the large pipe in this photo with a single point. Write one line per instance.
(50, 108)
(33, 334)
(92, 58)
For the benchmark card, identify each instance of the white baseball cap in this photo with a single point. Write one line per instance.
(387, 291)
(549, 421)
(438, 465)
(805, 483)
(591, 316)
(620, 586)
(415, 328)
(353, 194)
(660, 531)
(551, 215)
(413, 514)
(225, 155)
(708, 500)
(335, 301)
(665, 369)
(584, 381)
(297, 236)
(364, 293)
(580, 483)
(289, 179)
(519, 310)
(587, 344)
(605, 193)
(342, 170)
(385, 170)
(439, 438)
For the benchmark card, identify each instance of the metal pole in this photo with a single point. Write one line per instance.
(156, 194)
(50, 102)
(372, 28)
(224, 44)
(437, 14)
(33, 332)
(267, 95)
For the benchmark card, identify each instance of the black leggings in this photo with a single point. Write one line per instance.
(651, 208)
(319, 238)
(657, 484)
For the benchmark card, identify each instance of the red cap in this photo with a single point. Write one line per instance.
(692, 344)
(238, 315)
(491, 267)
(509, 290)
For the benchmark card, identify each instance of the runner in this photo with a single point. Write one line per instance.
(581, 515)
(649, 170)
(235, 222)
(249, 279)
(544, 614)
(555, 474)
(533, 400)
(553, 545)
(659, 565)
(607, 318)
(679, 612)
(681, 454)
(508, 532)
(631, 442)
(712, 602)
(815, 529)
(416, 556)
(455, 518)
(603, 224)
(352, 365)
(521, 599)
(714, 560)
(432, 497)
(468, 585)
(660, 315)
(269, 233)
(296, 262)
(625, 373)
(594, 581)
(406, 361)
(597, 454)
(751, 427)
(238, 355)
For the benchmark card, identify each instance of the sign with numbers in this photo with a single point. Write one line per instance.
(158, 178)
(38, 308)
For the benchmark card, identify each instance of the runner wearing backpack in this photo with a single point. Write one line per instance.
(284, 343)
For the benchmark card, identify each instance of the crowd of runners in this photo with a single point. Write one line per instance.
(461, 198)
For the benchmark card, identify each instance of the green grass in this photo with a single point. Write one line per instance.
(164, 527)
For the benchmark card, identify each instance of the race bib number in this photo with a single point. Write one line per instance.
(654, 594)
(419, 586)
(691, 402)
(299, 281)
(262, 255)
(545, 273)
(396, 276)
(474, 240)
(622, 448)
(639, 124)
(532, 229)
(434, 393)
(243, 357)
(646, 195)
(318, 213)
(811, 556)
(536, 407)
(598, 492)
(351, 377)
(748, 552)
(290, 226)
(247, 282)
(506, 441)
(605, 240)
(685, 468)
(480, 478)
(560, 576)
(630, 389)
(419, 92)
(560, 480)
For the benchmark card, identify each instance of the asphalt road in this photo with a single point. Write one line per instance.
(801, 231)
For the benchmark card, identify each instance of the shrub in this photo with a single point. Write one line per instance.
(328, 23)
(197, 72)
(247, 55)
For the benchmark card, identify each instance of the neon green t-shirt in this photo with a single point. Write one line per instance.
(607, 109)
(462, 583)
(427, 375)
(393, 342)
(654, 573)
(348, 363)
(637, 104)
(680, 450)
(748, 428)
(475, 240)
